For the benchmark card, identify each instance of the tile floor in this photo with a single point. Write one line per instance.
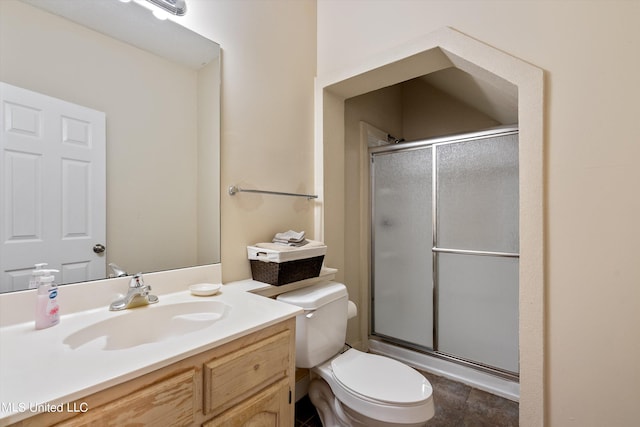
(457, 405)
(306, 415)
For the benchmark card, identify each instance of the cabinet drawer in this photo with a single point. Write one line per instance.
(168, 402)
(241, 373)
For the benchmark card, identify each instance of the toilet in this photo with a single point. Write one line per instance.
(352, 388)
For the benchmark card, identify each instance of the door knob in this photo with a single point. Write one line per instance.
(98, 248)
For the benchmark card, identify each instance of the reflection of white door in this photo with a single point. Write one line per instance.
(52, 188)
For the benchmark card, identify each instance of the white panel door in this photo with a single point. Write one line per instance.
(52, 188)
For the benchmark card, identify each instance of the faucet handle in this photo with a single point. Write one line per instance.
(136, 281)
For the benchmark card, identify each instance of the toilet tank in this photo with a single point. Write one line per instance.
(321, 330)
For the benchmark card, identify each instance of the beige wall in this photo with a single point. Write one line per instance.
(268, 66)
(208, 207)
(589, 51)
(428, 112)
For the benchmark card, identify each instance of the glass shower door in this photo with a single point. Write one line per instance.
(402, 269)
(445, 243)
(477, 251)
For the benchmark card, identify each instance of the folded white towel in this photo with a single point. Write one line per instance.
(290, 236)
(281, 248)
(288, 243)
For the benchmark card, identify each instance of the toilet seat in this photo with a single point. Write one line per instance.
(352, 388)
(380, 379)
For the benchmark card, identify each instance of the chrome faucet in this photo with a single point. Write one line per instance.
(137, 295)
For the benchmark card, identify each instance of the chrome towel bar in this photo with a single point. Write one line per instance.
(235, 189)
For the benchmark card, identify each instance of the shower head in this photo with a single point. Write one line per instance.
(393, 140)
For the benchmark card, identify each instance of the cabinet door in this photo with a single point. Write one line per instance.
(168, 402)
(268, 408)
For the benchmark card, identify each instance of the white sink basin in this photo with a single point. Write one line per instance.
(148, 324)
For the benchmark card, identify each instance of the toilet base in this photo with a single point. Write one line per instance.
(328, 406)
(334, 414)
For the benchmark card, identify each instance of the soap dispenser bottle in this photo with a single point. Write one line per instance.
(47, 309)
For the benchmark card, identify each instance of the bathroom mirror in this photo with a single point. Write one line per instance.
(158, 85)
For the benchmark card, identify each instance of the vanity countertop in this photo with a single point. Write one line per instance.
(38, 368)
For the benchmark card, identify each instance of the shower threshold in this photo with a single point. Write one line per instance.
(503, 387)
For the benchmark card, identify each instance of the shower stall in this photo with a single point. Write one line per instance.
(444, 248)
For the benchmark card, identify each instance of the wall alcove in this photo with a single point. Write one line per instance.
(505, 90)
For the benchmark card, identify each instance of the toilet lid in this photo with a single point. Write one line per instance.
(380, 378)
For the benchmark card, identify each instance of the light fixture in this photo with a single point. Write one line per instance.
(174, 7)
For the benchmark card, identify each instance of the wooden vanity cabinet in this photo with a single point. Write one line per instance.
(247, 382)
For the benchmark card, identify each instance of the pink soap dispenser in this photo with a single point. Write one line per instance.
(47, 309)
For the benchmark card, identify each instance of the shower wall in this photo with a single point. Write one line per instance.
(444, 247)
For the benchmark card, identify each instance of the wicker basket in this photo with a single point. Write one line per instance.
(281, 273)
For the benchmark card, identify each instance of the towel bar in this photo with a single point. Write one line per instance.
(235, 189)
